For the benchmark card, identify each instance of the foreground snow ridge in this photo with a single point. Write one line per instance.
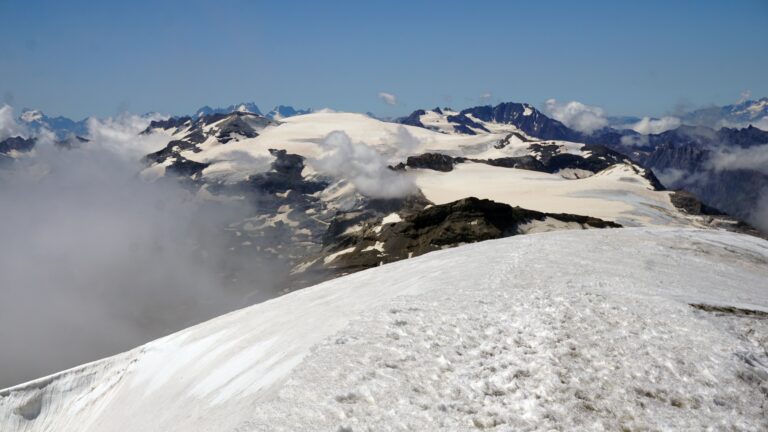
(568, 330)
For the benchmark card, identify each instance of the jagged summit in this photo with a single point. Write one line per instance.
(487, 118)
(276, 113)
(248, 107)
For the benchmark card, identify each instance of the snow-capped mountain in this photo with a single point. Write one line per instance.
(285, 111)
(492, 119)
(248, 107)
(332, 193)
(741, 115)
(14, 147)
(276, 113)
(331, 183)
(722, 166)
(624, 329)
(61, 126)
(343, 188)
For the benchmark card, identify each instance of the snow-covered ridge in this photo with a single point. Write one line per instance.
(572, 330)
(342, 162)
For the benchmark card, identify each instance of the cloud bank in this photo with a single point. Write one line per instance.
(735, 158)
(95, 261)
(122, 135)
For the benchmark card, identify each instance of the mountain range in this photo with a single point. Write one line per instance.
(573, 267)
(714, 164)
(722, 166)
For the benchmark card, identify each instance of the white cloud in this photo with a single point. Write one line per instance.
(762, 123)
(363, 166)
(671, 177)
(576, 115)
(485, 97)
(759, 215)
(634, 140)
(745, 95)
(648, 126)
(9, 127)
(388, 98)
(122, 135)
(86, 241)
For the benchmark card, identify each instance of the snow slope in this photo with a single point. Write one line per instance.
(570, 330)
(304, 135)
(620, 194)
(617, 194)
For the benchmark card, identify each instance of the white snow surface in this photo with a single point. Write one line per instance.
(572, 330)
(619, 193)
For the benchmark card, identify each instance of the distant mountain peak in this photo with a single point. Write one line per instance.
(285, 111)
(276, 113)
(249, 107)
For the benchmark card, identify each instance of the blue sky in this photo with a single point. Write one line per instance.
(78, 58)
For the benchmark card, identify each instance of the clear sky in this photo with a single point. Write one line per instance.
(79, 58)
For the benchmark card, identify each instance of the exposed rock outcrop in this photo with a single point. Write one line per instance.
(468, 220)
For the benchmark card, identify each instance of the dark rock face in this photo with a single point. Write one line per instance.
(171, 123)
(689, 203)
(71, 142)
(433, 161)
(12, 144)
(465, 125)
(17, 143)
(468, 220)
(524, 117)
(414, 119)
(505, 141)
(241, 124)
(548, 158)
(284, 176)
(599, 159)
(521, 162)
(187, 168)
(172, 150)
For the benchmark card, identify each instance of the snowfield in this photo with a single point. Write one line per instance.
(617, 194)
(620, 193)
(571, 330)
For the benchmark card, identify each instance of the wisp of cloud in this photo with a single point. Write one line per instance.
(363, 166)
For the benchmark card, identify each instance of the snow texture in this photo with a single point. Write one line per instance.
(573, 330)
